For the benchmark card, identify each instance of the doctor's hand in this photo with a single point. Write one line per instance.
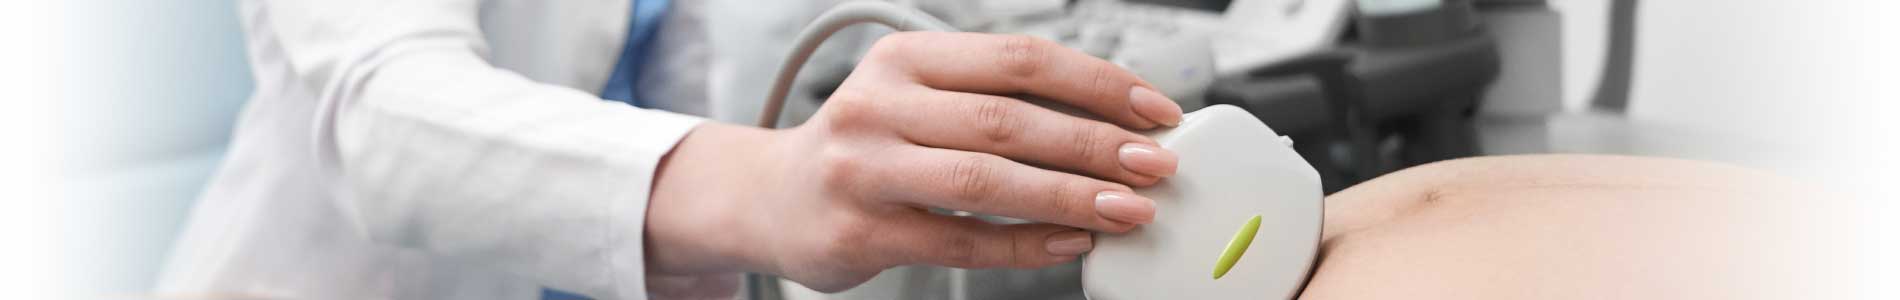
(926, 121)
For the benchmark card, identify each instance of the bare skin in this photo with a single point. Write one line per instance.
(1579, 227)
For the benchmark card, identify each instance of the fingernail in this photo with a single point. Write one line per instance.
(1069, 243)
(1154, 106)
(1148, 159)
(1125, 207)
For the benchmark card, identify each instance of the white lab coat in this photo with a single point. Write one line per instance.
(444, 149)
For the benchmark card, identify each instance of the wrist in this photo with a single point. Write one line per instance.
(698, 217)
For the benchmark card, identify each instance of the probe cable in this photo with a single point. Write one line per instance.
(829, 23)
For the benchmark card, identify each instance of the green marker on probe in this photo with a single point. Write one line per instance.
(1237, 247)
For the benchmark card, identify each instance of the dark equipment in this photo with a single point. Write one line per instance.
(1400, 91)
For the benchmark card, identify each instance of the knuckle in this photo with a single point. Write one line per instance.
(996, 121)
(972, 179)
(1022, 249)
(1091, 144)
(846, 241)
(1103, 80)
(1065, 199)
(840, 170)
(960, 251)
(1023, 56)
(889, 47)
(850, 109)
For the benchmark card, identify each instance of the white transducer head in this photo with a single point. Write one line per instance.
(1232, 170)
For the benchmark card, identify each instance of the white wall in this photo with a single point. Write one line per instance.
(1787, 68)
(1770, 68)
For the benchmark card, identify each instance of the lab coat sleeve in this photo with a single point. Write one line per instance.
(433, 148)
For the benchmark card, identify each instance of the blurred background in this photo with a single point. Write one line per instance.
(125, 108)
(116, 112)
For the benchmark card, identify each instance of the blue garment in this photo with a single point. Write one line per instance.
(553, 294)
(644, 25)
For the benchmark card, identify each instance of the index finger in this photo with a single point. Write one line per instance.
(1019, 64)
